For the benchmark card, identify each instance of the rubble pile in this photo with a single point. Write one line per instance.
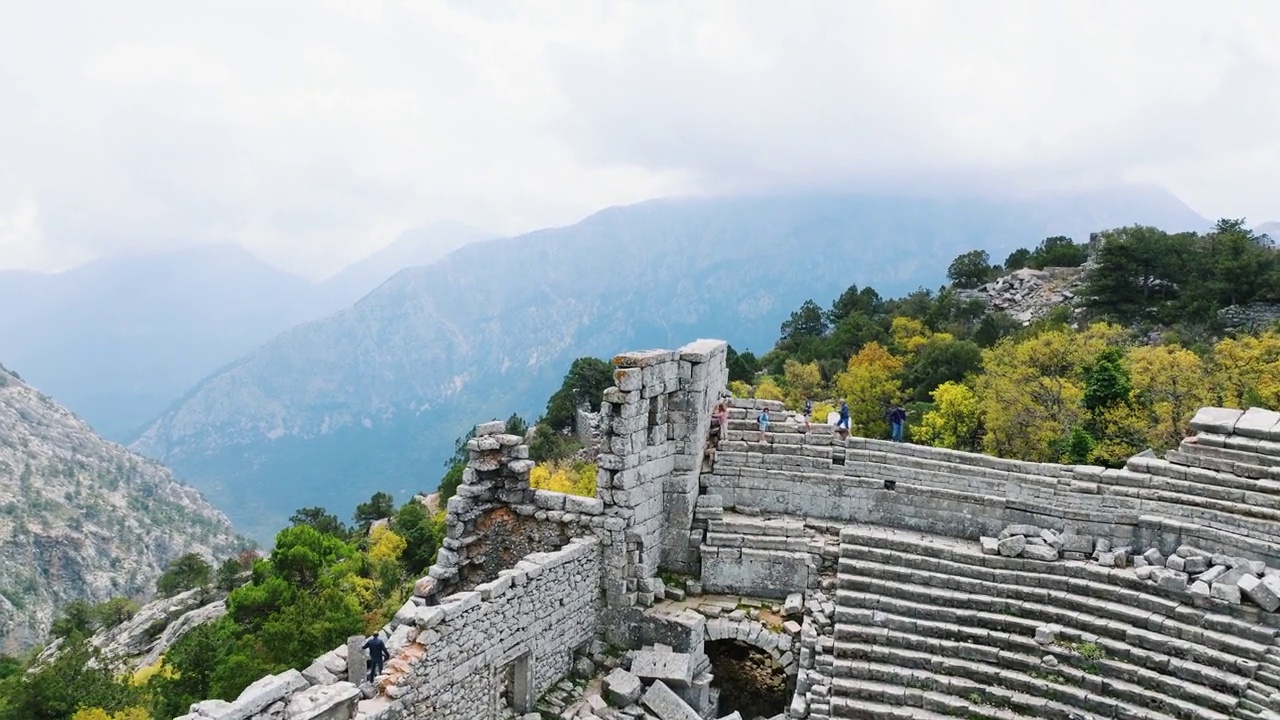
(1028, 294)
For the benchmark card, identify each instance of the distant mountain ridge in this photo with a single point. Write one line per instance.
(82, 518)
(119, 339)
(373, 396)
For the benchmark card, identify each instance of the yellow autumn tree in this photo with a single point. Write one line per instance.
(132, 713)
(1168, 387)
(768, 389)
(954, 421)
(568, 477)
(1031, 390)
(907, 335)
(1246, 371)
(800, 381)
(870, 384)
(385, 544)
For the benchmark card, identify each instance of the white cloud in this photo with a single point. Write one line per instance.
(312, 132)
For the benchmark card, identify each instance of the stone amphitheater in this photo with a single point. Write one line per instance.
(810, 576)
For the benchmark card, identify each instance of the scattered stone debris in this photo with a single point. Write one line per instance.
(1026, 294)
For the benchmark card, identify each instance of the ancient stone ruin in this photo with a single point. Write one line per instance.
(814, 577)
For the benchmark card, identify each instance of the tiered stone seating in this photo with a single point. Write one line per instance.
(928, 626)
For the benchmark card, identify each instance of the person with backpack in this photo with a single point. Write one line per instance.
(378, 655)
(763, 421)
(897, 417)
(808, 412)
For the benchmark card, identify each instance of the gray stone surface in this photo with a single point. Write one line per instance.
(674, 669)
(1257, 423)
(1262, 593)
(666, 704)
(1012, 546)
(990, 545)
(1226, 591)
(326, 702)
(622, 687)
(1215, 420)
(1044, 553)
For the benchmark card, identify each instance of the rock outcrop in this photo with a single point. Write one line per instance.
(1027, 294)
(82, 518)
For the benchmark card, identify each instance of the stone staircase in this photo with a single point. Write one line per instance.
(929, 627)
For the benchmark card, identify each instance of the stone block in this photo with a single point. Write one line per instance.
(1196, 564)
(1046, 634)
(793, 606)
(1216, 420)
(318, 674)
(621, 687)
(1212, 574)
(1012, 546)
(1076, 543)
(664, 703)
(493, 427)
(1225, 591)
(264, 693)
(1176, 562)
(1153, 557)
(990, 545)
(1043, 553)
(1257, 423)
(1262, 593)
(329, 702)
(1170, 579)
(675, 669)
(1199, 588)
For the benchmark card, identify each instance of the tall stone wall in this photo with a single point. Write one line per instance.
(656, 422)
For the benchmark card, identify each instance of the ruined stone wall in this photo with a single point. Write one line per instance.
(517, 631)
(1225, 504)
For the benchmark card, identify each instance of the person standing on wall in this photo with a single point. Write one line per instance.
(763, 421)
(808, 412)
(843, 426)
(722, 421)
(378, 655)
(897, 418)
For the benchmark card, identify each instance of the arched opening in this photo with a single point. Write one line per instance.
(750, 681)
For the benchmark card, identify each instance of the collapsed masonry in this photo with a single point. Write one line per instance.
(871, 579)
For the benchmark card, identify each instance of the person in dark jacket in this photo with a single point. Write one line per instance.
(897, 416)
(378, 655)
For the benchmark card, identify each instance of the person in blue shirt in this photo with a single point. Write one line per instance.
(763, 421)
(843, 425)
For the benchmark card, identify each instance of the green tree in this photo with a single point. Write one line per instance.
(742, 366)
(1017, 260)
(854, 301)
(584, 384)
(516, 425)
(321, 520)
(809, 321)
(970, 269)
(1058, 251)
(380, 505)
(1139, 270)
(422, 533)
(77, 677)
(115, 611)
(230, 575)
(302, 553)
(1106, 382)
(939, 360)
(449, 483)
(77, 621)
(193, 658)
(188, 572)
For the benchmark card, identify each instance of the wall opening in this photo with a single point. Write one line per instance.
(750, 681)
(515, 687)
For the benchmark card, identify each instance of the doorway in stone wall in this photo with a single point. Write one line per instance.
(750, 681)
(514, 681)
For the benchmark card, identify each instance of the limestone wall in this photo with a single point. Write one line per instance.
(516, 632)
(1220, 491)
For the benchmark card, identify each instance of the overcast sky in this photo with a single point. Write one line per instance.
(313, 132)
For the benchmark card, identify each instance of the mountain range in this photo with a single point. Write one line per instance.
(373, 396)
(117, 340)
(82, 518)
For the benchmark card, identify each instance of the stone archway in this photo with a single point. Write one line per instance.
(749, 680)
(782, 647)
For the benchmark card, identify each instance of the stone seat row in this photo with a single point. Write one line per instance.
(974, 686)
(1165, 476)
(1149, 648)
(894, 634)
(1068, 594)
(873, 700)
(961, 559)
(1212, 452)
(1003, 639)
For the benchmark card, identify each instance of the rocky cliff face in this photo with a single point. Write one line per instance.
(82, 518)
(1027, 294)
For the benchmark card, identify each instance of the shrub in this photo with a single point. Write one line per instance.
(739, 389)
(769, 390)
(571, 478)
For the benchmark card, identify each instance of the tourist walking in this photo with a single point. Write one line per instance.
(378, 655)
(897, 418)
(763, 421)
(808, 412)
